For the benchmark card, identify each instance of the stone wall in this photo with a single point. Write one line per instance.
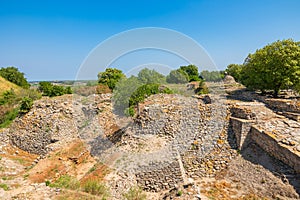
(275, 134)
(271, 146)
(160, 178)
(52, 122)
(242, 112)
(240, 128)
(47, 122)
(284, 105)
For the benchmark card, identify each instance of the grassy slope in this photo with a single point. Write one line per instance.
(6, 85)
(7, 113)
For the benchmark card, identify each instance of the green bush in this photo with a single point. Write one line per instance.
(11, 104)
(26, 105)
(135, 193)
(4, 186)
(67, 182)
(8, 97)
(143, 92)
(57, 91)
(7, 115)
(179, 193)
(96, 188)
(68, 90)
(202, 89)
(47, 183)
(13, 75)
(48, 89)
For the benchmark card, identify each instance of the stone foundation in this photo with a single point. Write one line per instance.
(159, 179)
(241, 128)
(275, 134)
(277, 150)
(284, 105)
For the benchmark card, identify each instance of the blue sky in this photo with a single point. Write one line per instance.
(49, 40)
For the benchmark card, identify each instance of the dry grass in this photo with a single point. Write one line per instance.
(226, 191)
(70, 195)
(6, 85)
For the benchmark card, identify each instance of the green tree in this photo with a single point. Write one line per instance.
(177, 76)
(192, 71)
(13, 75)
(68, 90)
(123, 91)
(148, 76)
(274, 67)
(110, 77)
(144, 91)
(46, 88)
(212, 75)
(234, 70)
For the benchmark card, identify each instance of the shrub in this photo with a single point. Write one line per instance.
(7, 114)
(146, 90)
(179, 193)
(26, 105)
(12, 103)
(4, 186)
(47, 183)
(202, 89)
(96, 188)
(67, 182)
(68, 90)
(48, 89)
(143, 92)
(129, 111)
(13, 75)
(8, 97)
(135, 193)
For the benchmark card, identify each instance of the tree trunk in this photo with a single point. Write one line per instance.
(276, 92)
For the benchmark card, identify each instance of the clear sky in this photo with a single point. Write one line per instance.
(49, 40)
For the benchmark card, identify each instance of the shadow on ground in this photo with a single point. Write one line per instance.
(253, 153)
